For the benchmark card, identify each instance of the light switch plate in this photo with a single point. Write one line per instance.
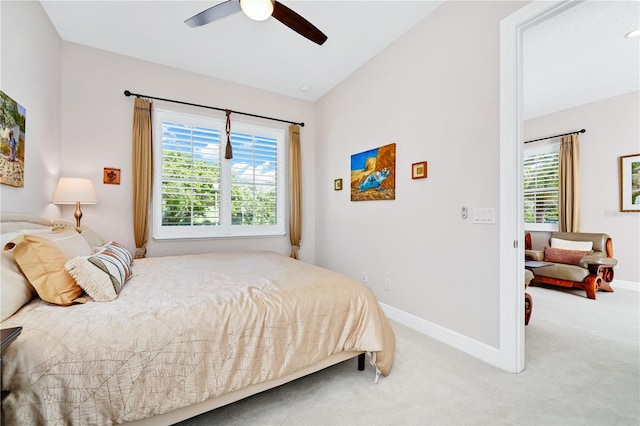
(484, 215)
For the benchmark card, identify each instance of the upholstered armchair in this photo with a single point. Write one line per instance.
(574, 259)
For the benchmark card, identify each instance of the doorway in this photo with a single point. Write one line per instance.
(512, 28)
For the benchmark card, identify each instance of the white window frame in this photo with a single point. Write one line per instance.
(537, 149)
(225, 229)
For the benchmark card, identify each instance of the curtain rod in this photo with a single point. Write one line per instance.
(138, 95)
(557, 136)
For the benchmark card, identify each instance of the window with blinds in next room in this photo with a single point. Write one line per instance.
(541, 187)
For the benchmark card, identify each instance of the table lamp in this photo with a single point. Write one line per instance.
(75, 191)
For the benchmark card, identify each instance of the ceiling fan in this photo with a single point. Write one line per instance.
(260, 10)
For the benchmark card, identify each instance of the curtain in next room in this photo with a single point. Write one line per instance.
(570, 185)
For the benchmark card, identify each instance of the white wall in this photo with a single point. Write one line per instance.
(435, 92)
(96, 130)
(613, 130)
(30, 74)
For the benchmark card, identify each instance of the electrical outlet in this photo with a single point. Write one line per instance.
(363, 277)
(387, 284)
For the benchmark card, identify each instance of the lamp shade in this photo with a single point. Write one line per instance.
(258, 10)
(75, 190)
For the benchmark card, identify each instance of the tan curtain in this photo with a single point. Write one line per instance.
(570, 185)
(142, 174)
(295, 210)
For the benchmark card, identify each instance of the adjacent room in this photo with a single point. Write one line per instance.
(402, 190)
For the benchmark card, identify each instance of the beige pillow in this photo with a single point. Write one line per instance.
(92, 237)
(15, 289)
(42, 262)
(69, 241)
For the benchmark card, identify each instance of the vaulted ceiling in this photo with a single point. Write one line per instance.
(267, 54)
(576, 57)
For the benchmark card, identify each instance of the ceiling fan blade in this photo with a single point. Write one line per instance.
(297, 23)
(218, 11)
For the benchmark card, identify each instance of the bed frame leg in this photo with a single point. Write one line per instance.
(361, 362)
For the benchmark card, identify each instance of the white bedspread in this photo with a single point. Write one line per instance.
(184, 329)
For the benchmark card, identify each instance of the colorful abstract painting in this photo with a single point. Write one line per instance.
(373, 174)
(12, 137)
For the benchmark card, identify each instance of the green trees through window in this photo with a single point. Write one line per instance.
(541, 188)
(198, 188)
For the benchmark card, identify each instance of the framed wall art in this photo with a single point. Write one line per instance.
(111, 176)
(337, 185)
(13, 118)
(373, 174)
(419, 170)
(630, 183)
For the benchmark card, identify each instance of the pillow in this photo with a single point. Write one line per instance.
(92, 237)
(42, 262)
(17, 226)
(119, 248)
(568, 257)
(68, 240)
(15, 289)
(571, 245)
(104, 274)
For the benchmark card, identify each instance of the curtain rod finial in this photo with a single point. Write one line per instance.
(127, 93)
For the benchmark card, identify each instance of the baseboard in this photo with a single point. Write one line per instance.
(459, 341)
(480, 350)
(626, 285)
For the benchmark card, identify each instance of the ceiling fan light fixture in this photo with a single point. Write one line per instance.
(258, 10)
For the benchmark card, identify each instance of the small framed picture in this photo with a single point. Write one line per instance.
(337, 185)
(630, 183)
(419, 170)
(111, 176)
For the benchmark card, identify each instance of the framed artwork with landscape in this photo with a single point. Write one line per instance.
(373, 174)
(630, 183)
(12, 137)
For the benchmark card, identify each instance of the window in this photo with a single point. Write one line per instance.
(199, 194)
(541, 187)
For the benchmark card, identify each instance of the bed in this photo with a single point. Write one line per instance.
(183, 334)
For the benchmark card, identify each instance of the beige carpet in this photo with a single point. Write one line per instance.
(582, 368)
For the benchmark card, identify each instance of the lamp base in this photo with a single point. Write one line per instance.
(78, 215)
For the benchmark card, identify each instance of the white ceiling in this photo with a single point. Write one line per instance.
(576, 57)
(266, 54)
(581, 56)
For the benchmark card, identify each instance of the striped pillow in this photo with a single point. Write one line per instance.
(119, 250)
(104, 274)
